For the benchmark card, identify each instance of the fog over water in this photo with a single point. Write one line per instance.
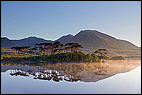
(76, 78)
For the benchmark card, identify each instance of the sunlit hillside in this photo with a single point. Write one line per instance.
(9, 53)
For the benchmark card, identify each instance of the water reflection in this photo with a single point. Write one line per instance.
(42, 72)
(71, 72)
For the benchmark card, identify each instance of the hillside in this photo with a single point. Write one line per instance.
(89, 39)
(5, 42)
(65, 39)
(92, 40)
(30, 41)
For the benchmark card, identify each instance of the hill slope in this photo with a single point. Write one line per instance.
(30, 41)
(89, 39)
(92, 40)
(65, 39)
(5, 42)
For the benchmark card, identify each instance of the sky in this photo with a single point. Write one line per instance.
(52, 19)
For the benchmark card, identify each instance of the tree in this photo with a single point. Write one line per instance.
(101, 53)
(76, 47)
(95, 58)
(20, 48)
(33, 49)
(15, 48)
(73, 46)
(67, 49)
(56, 46)
(44, 47)
(41, 48)
(36, 46)
(47, 47)
(54, 51)
(24, 47)
(88, 58)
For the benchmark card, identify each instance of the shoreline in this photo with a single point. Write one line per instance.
(43, 62)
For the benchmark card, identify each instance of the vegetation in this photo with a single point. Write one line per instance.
(13, 54)
(72, 56)
(56, 52)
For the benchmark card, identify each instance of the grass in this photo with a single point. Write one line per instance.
(7, 53)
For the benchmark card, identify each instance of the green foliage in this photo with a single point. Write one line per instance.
(101, 54)
(73, 56)
(95, 58)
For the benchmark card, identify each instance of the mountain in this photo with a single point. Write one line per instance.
(92, 40)
(65, 39)
(5, 42)
(128, 43)
(30, 41)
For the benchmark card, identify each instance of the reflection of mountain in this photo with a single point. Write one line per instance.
(95, 71)
(87, 72)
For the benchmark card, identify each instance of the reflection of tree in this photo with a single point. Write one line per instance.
(72, 70)
(59, 71)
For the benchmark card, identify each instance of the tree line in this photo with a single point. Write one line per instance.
(70, 52)
(51, 48)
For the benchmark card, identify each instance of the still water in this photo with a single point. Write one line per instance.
(65, 79)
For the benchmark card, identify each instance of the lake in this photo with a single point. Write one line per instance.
(71, 78)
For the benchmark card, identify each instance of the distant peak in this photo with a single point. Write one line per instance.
(4, 37)
(69, 35)
(32, 37)
(88, 31)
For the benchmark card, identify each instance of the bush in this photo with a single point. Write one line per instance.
(73, 56)
(95, 58)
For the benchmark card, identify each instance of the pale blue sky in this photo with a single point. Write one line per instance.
(53, 19)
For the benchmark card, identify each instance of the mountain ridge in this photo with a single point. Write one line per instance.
(29, 41)
(90, 40)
